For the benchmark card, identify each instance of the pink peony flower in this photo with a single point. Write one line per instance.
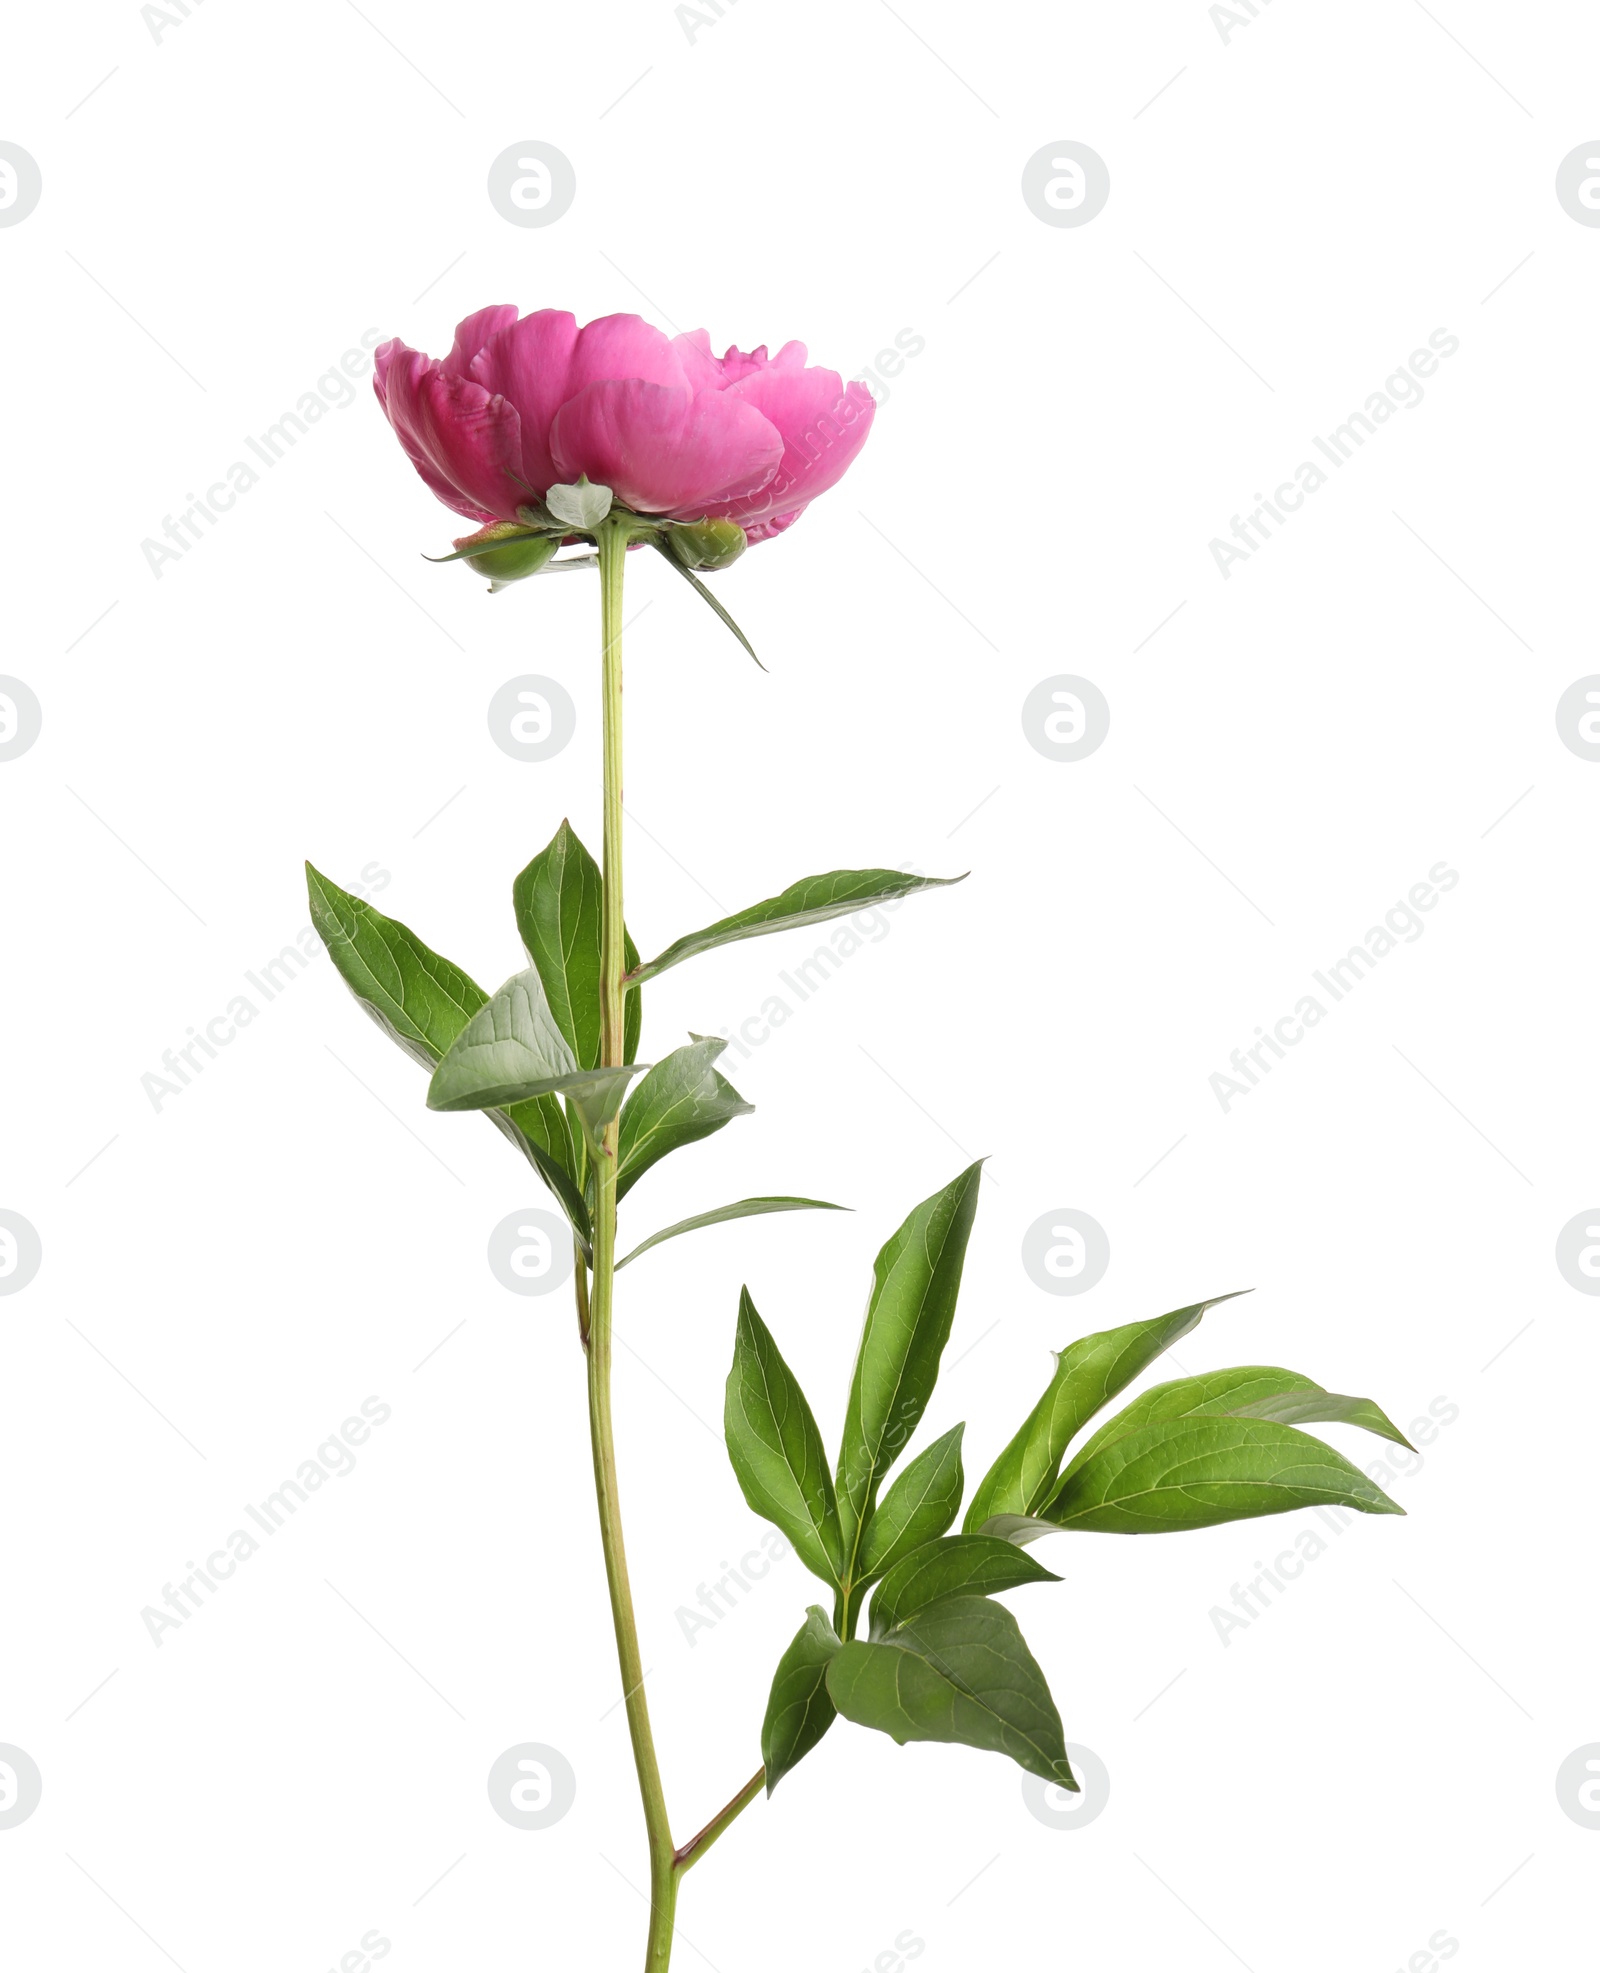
(521, 405)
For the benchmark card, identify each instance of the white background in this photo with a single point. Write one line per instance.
(1367, 1764)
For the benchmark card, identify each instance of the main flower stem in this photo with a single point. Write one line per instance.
(612, 540)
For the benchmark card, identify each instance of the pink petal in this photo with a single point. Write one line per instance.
(765, 530)
(706, 371)
(465, 443)
(473, 333)
(615, 347)
(528, 362)
(665, 451)
(824, 425)
(395, 381)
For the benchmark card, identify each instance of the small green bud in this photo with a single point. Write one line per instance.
(707, 544)
(520, 553)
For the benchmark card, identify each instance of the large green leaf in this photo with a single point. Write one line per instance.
(679, 1101)
(557, 899)
(805, 903)
(1197, 1472)
(915, 1281)
(775, 1447)
(740, 1209)
(920, 1505)
(1255, 1390)
(512, 1050)
(424, 1002)
(799, 1710)
(957, 1671)
(959, 1565)
(1087, 1374)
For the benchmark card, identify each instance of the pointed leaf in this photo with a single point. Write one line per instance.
(740, 1209)
(776, 1449)
(799, 1710)
(509, 1051)
(419, 999)
(957, 1671)
(1197, 1472)
(1309, 1404)
(679, 1101)
(808, 902)
(1087, 1374)
(959, 1565)
(915, 1281)
(917, 1508)
(424, 1002)
(704, 594)
(557, 900)
(1255, 1390)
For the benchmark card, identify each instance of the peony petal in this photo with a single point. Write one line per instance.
(465, 443)
(396, 381)
(708, 372)
(528, 362)
(765, 530)
(664, 451)
(824, 424)
(616, 347)
(473, 333)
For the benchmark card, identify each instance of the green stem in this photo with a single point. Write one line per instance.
(612, 539)
(696, 1847)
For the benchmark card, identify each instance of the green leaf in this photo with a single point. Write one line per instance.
(775, 1447)
(1248, 1391)
(679, 1101)
(915, 1281)
(418, 999)
(918, 1507)
(703, 593)
(959, 1565)
(1087, 1374)
(423, 1003)
(512, 1050)
(799, 1710)
(808, 902)
(1197, 1472)
(740, 1209)
(1309, 1404)
(957, 1671)
(557, 899)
